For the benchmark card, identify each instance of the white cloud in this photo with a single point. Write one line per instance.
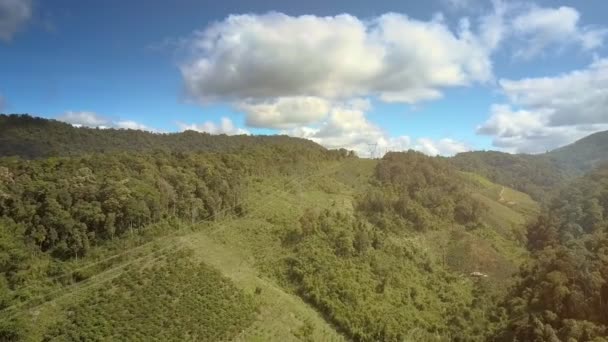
(92, 119)
(347, 127)
(285, 112)
(301, 74)
(521, 131)
(261, 57)
(13, 15)
(540, 28)
(554, 111)
(507, 123)
(130, 124)
(224, 127)
(444, 147)
(88, 119)
(576, 97)
(493, 27)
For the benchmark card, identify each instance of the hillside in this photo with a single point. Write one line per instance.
(582, 155)
(561, 292)
(290, 242)
(537, 175)
(33, 137)
(262, 238)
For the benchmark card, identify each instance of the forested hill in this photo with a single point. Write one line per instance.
(33, 137)
(537, 174)
(562, 291)
(584, 154)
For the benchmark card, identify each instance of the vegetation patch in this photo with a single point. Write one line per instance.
(174, 299)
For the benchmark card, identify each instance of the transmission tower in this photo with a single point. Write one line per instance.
(372, 150)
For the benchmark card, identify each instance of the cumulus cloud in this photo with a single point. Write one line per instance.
(576, 97)
(13, 15)
(399, 59)
(542, 27)
(347, 127)
(444, 147)
(301, 74)
(87, 119)
(521, 131)
(285, 112)
(130, 124)
(226, 126)
(551, 111)
(94, 120)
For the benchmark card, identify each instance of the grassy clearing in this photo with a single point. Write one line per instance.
(281, 314)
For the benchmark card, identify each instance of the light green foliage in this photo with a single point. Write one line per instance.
(296, 242)
(370, 275)
(375, 289)
(173, 300)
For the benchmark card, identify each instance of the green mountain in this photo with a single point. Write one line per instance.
(538, 174)
(197, 237)
(582, 155)
(33, 137)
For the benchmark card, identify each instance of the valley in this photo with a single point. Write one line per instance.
(312, 245)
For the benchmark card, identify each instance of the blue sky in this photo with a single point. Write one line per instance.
(437, 76)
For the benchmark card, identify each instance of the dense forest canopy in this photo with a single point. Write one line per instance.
(421, 191)
(562, 292)
(34, 137)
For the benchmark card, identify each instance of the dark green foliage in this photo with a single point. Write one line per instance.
(176, 300)
(66, 204)
(536, 175)
(563, 292)
(374, 287)
(33, 137)
(398, 267)
(418, 193)
(583, 155)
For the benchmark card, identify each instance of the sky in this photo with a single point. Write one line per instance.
(438, 76)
